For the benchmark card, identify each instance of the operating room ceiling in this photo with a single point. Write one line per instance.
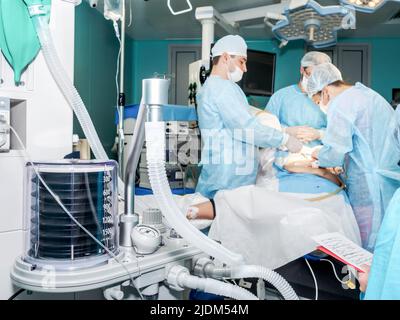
(153, 20)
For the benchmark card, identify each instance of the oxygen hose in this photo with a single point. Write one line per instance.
(155, 143)
(207, 268)
(67, 88)
(284, 288)
(178, 278)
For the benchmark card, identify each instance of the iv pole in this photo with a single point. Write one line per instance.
(121, 97)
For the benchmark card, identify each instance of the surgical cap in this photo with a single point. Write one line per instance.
(322, 76)
(314, 58)
(232, 45)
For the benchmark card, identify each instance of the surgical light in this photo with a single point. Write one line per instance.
(367, 6)
(314, 24)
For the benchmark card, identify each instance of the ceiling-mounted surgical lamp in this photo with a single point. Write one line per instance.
(175, 13)
(367, 6)
(313, 23)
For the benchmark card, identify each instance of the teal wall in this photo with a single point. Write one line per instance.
(385, 66)
(152, 56)
(149, 57)
(96, 50)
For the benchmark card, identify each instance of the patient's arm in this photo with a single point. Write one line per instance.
(203, 210)
(304, 166)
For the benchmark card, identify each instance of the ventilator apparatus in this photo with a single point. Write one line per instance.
(72, 235)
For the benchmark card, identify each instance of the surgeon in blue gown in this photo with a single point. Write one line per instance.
(297, 113)
(362, 137)
(383, 280)
(230, 134)
(301, 117)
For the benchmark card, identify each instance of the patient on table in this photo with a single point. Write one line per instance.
(269, 227)
(301, 162)
(272, 227)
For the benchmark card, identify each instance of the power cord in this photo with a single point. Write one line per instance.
(16, 294)
(120, 132)
(118, 36)
(315, 279)
(334, 271)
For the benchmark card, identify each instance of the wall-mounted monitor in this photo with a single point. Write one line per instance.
(395, 97)
(260, 76)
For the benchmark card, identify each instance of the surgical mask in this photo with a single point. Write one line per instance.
(304, 82)
(323, 107)
(236, 75)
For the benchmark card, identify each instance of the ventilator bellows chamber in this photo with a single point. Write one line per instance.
(88, 193)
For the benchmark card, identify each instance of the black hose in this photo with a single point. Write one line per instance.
(16, 294)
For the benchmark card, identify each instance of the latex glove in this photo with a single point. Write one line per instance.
(267, 158)
(293, 131)
(363, 278)
(308, 134)
(315, 154)
(336, 170)
(293, 144)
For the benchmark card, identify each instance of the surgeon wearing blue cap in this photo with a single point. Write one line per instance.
(230, 134)
(362, 136)
(298, 114)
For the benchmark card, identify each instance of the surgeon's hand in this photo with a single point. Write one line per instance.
(308, 134)
(303, 133)
(293, 144)
(315, 154)
(363, 278)
(336, 171)
(293, 131)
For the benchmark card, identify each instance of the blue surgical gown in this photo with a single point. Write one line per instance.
(230, 137)
(294, 108)
(384, 277)
(362, 136)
